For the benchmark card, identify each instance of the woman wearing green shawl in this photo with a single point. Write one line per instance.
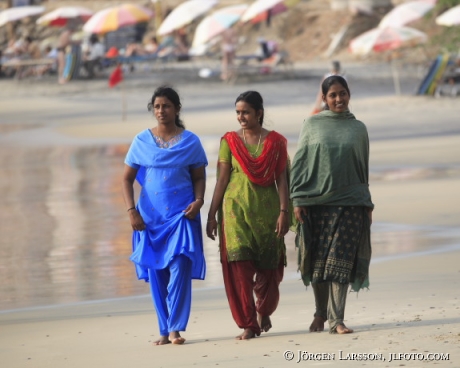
(332, 204)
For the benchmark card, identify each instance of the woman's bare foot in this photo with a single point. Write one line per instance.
(317, 325)
(246, 335)
(264, 322)
(163, 340)
(342, 329)
(175, 338)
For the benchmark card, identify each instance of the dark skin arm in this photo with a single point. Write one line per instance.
(217, 197)
(199, 186)
(282, 225)
(127, 185)
(137, 222)
(299, 212)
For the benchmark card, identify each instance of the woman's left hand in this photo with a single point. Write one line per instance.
(193, 209)
(282, 225)
(369, 213)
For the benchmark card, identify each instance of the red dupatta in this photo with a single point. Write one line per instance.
(262, 170)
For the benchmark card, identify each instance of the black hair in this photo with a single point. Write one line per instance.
(171, 95)
(254, 99)
(331, 80)
(93, 38)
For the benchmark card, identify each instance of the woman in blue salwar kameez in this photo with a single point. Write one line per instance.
(169, 163)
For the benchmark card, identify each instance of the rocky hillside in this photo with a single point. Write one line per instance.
(305, 31)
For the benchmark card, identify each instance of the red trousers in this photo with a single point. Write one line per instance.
(241, 286)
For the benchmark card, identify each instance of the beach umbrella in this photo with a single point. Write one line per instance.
(406, 13)
(115, 17)
(384, 39)
(217, 22)
(449, 18)
(257, 11)
(61, 16)
(184, 14)
(16, 13)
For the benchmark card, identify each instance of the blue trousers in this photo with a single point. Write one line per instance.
(171, 290)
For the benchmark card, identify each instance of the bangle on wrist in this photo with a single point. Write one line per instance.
(285, 211)
(132, 208)
(199, 198)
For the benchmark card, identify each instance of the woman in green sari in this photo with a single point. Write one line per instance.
(332, 204)
(251, 199)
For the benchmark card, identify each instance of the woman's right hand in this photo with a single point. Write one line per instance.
(211, 228)
(137, 222)
(299, 212)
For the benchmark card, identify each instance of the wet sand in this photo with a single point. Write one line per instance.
(69, 294)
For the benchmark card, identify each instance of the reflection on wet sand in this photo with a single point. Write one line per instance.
(64, 234)
(66, 237)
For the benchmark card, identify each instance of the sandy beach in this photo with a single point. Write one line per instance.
(69, 297)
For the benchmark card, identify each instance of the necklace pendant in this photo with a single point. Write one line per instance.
(253, 154)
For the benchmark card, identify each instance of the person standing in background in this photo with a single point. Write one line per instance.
(228, 48)
(92, 57)
(64, 40)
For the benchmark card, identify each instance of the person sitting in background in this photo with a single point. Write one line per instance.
(52, 54)
(93, 56)
(29, 49)
(151, 47)
(267, 48)
(136, 49)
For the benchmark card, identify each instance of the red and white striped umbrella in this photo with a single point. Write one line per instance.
(217, 22)
(61, 16)
(113, 18)
(383, 39)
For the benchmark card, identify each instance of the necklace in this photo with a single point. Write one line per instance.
(258, 144)
(162, 143)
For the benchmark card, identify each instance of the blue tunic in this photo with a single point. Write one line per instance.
(167, 189)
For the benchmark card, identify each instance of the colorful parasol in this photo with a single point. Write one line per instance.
(113, 18)
(383, 39)
(184, 14)
(61, 16)
(406, 13)
(258, 10)
(217, 22)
